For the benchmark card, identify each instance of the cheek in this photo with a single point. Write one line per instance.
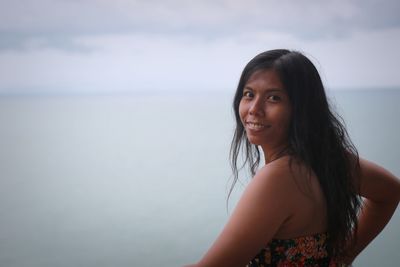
(283, 118)
(286, 119)
(242, 111)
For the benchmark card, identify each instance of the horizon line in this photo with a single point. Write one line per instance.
(151, 92)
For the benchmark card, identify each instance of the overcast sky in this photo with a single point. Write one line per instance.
(59, 46)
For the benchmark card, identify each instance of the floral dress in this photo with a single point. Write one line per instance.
(307, 251)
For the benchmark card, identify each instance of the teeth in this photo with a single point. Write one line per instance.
(256, 126)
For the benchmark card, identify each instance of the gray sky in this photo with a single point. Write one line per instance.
(110, 46)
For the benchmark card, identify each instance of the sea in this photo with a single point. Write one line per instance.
(142, 179)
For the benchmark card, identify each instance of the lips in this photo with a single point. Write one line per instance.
(256, 126)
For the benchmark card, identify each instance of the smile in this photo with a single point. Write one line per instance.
(256, 125)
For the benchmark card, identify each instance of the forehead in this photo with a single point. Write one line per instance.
(264, 79)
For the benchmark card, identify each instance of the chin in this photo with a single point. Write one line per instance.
(255, 140)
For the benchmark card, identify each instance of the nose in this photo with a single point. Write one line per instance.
(256, 107)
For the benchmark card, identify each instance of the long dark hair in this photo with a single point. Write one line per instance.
(317, 137)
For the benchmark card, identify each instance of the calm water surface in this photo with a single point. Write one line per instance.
(142, 180)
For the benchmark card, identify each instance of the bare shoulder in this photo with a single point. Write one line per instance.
(284, 171)
(276, 169)
(279, 178)
(258, 215)
(377, 183)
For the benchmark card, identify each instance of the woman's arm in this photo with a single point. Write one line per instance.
(381, 191)
(262, 209)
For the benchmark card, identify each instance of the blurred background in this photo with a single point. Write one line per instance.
(116, 121)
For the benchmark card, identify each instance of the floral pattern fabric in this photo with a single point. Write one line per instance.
(307, 251)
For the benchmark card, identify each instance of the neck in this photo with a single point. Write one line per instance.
(274, 153)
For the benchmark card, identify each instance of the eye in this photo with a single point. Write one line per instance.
(274, 98)
(248, 94)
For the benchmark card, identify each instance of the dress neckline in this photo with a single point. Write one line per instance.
(321, 234)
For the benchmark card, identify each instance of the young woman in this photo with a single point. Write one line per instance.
(304, 206)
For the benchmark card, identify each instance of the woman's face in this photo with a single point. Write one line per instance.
(265, 111)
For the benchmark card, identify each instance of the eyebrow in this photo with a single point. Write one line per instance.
(267, 90)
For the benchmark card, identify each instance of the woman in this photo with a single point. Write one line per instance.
(302, 207)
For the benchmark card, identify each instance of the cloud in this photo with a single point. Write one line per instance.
(137, 63)
(59, 23)
(26, 42)
(110, 46)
